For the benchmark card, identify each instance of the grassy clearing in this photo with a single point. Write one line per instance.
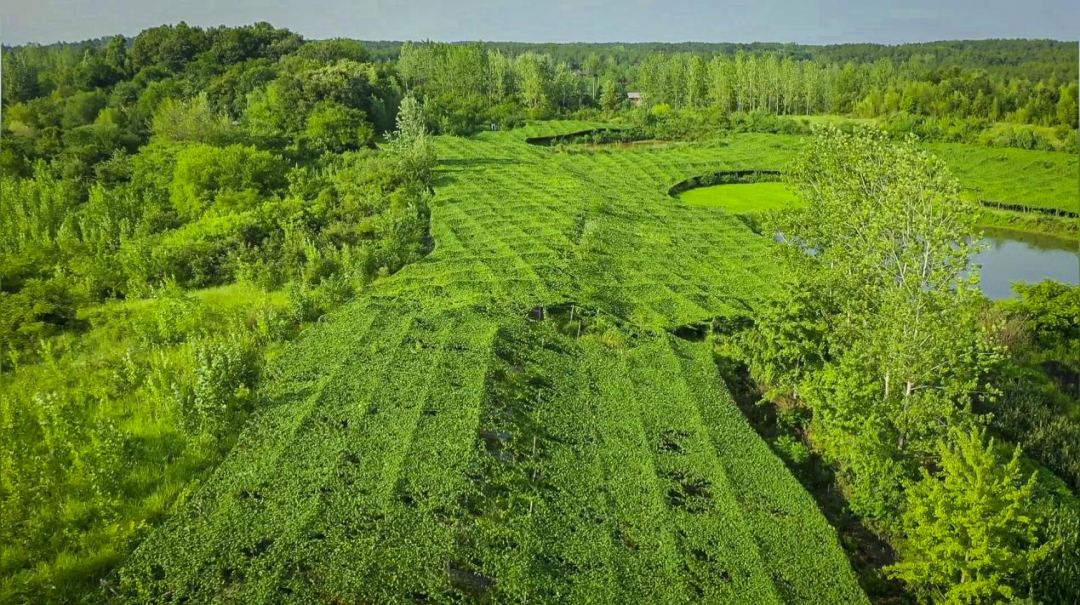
(742, 197)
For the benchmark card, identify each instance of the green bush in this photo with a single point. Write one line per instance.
(334, 128)
(199, 254)
(206, 177)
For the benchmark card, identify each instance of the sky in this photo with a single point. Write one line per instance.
(802, 21)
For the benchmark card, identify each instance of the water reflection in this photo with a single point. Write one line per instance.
(1013, 256)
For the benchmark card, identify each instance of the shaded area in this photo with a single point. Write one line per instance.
(785, 428)
(725, 177)
(591, 136)
(1025, 208)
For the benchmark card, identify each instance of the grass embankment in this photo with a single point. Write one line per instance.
(1044, 181)
(1038, 179)
(1030, 222)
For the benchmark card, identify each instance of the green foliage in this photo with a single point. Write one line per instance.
(1035, 415)
(1040, 393)
(112, 412)
(335, 128)
(1054, 581)
(480, 455)
(228, 92)
(191, 120)
(233, 45)
(610, 97)
(100, 440)
(40, 308)
(336, 49)
(169, 47)
(286, 103)
(474, 455)
(225, 370)
(223, 178)
(199, 254)
(973, 531)
(411, 141)
(469, 87)
(34, 210)
(878, 330)
(82, 108)
(890, 242)
(1052, 312)
(788, 343)
(86, 147)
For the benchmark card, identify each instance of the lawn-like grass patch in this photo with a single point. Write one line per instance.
(743, 197)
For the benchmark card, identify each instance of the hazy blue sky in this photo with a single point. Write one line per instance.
(815, 22)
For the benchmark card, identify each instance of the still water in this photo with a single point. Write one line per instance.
(1013, 256)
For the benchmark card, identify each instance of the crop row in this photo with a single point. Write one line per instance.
(458, 434)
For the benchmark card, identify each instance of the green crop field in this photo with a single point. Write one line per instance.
(512, 420)
(291, 320)
(742, 197)
(1042, 179)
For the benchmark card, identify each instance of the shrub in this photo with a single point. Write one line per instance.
(199, 254)
(334, 128)
(205, 176)
(225, 369)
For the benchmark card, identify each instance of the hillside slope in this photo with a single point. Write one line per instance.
(513, 419)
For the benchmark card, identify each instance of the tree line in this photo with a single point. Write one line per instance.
(1020, 81)
(783, 85)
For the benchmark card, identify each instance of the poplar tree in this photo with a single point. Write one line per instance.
(411, 141)
(609, 96)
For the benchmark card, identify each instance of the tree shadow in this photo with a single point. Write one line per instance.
(463, 163)
(868, 553)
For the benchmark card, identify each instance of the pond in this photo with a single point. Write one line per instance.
(1012, 256)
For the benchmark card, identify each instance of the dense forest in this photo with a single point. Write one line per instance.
(966, 86)
(180, 208)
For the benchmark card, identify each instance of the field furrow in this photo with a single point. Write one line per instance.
(509, 419)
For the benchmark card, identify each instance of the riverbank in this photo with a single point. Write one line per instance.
(1030, 222)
